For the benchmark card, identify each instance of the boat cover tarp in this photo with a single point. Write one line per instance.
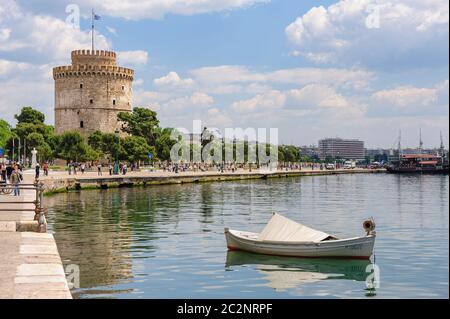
(280, 228)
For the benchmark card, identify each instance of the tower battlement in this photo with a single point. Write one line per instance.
(96, 57)
(92, 70)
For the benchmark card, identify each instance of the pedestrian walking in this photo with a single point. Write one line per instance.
(37, 171)
(99, 169)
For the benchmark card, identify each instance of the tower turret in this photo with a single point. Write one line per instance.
(90, 92)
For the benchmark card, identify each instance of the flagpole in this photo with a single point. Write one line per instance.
(92, 19)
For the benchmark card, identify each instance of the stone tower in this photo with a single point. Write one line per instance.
(91, 92)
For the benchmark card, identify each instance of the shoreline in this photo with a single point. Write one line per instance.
(62, 182)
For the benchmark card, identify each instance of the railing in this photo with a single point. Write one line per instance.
(39, 210)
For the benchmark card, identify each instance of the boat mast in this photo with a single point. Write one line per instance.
(400, 145)
(420, 142)
(442, 150)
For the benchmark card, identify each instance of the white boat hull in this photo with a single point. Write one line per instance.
(357, 247)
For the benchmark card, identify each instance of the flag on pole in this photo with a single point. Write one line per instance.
(94, 17)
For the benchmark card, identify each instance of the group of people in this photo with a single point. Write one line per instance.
(12, 174)
(38, 170)
(113, 168)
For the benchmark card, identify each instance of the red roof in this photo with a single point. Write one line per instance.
(428, 162)
(418, 156)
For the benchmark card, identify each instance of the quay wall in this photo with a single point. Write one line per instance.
(70, 183)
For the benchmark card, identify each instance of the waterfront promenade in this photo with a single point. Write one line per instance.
(30, 264)
(59, 181)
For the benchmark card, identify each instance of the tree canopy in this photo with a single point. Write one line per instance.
(30, 115)
(72, 147)
(5, 133)
(143, 136)
(141, 122)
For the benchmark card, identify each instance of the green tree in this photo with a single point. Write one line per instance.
(135, 148)
(30, 115)
(103, 143)
(164, 143)
(5, 133)
(72, 147)
(141, 122)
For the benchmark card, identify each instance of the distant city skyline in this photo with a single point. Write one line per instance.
(313, 69)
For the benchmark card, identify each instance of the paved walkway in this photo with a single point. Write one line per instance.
(59, 175)
(30, 265)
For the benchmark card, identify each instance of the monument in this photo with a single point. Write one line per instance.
(33, 158)
(90, 92)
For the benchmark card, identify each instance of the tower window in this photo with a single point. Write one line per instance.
(91, 101)
(114, 102)
(123, 87)
(81, 124)
(81, 85)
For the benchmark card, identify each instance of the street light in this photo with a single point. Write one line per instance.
(117, 140)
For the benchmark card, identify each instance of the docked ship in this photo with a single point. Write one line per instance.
(420, 163)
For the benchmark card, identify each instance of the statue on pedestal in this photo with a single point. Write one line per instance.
(33, 158)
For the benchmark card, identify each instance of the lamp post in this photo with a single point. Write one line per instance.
(223, 153)
(116, 153)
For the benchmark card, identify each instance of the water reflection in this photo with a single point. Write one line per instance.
(168, 241)
(282, 273)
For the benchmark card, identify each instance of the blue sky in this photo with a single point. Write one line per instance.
(355, 69)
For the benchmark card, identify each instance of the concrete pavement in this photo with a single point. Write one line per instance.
(30, 264)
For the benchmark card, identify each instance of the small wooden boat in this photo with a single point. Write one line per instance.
(284, 237)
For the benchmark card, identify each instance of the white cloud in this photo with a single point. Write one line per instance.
(411, 101)
(217, 117)
(172, 79)
(7, 67)
(197, 99)
(17, 78)
(344, 32)
(271, 100)
(406, 96)
(225, 74)
(47, 36)
(317, 95)
(222, 89)
(157, 9)
(112, 30)
(138, 57)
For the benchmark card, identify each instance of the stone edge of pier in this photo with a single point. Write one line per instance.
(71, 183)
(31, 267)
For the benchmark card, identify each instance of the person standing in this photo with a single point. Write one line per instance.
(99, 169)
(38, 170)
(3, 172)
(110, 169)
(124, 169)
(83, 168)
(45, 168)
(16, 178)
